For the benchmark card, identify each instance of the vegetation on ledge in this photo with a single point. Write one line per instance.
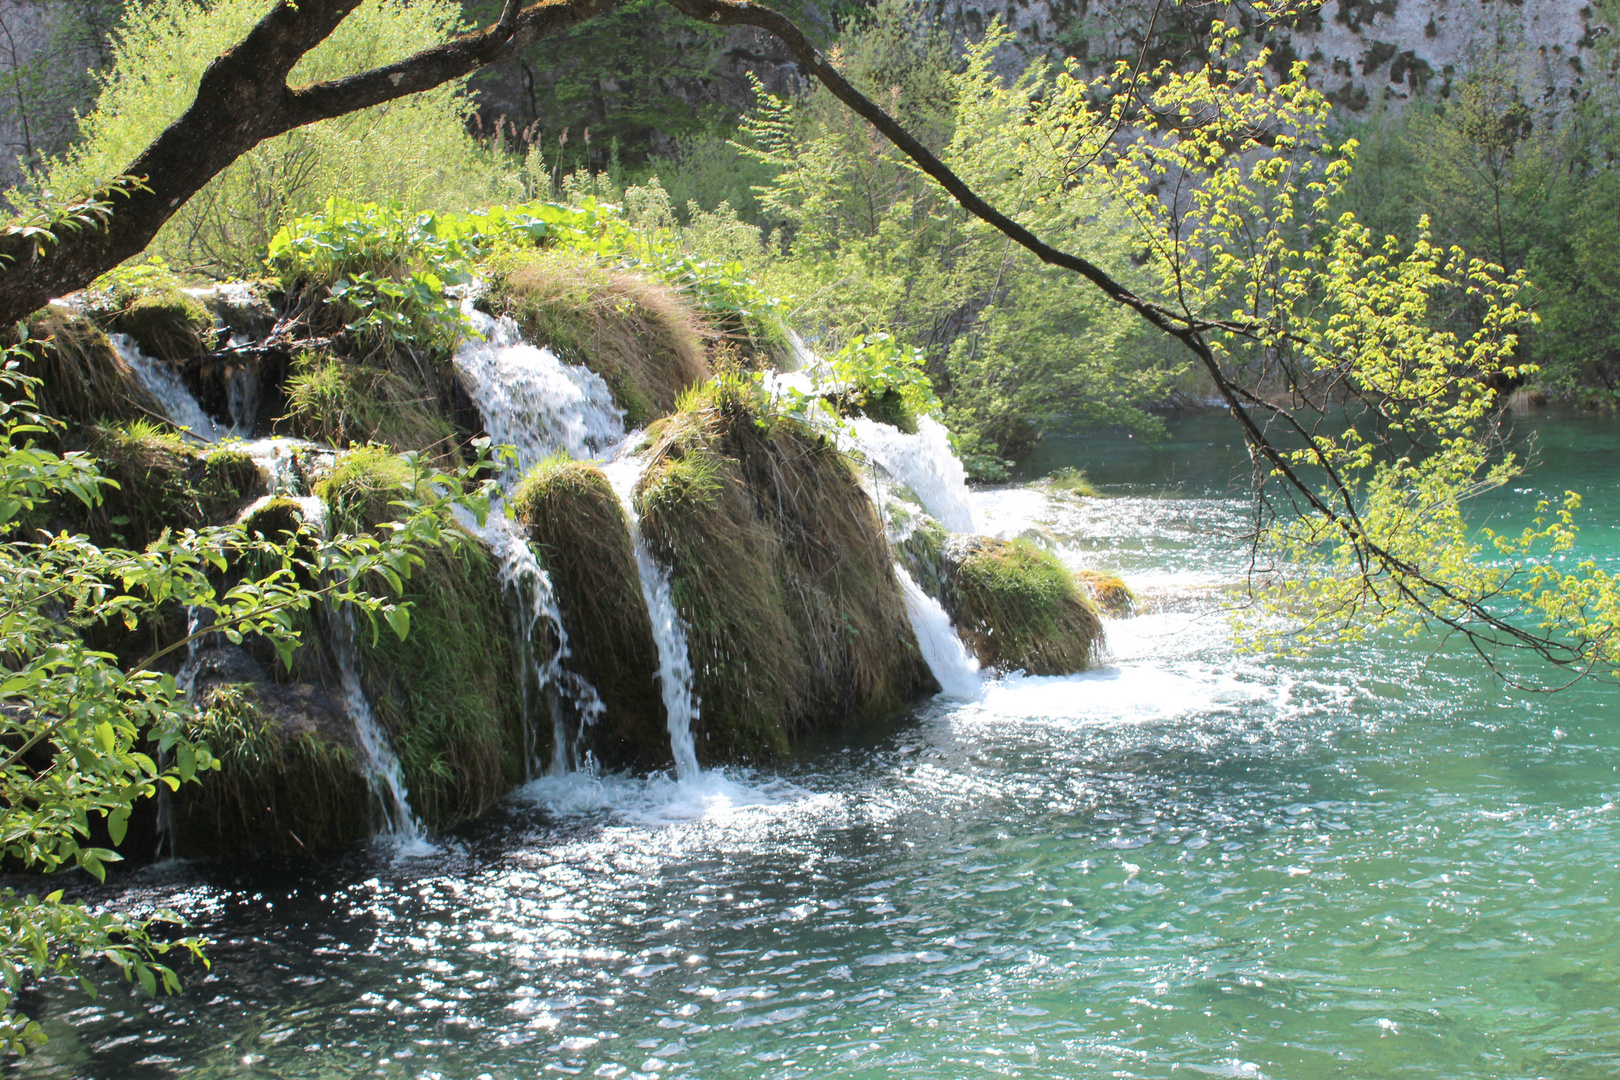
(1017, 607)
(781, 571)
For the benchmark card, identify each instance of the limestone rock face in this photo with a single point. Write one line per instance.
(1359, 51)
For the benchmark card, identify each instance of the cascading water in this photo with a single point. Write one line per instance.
(165, 384)
(954, 668)
(925, 464)
(668, 629)
(382, 766)
(530, 400)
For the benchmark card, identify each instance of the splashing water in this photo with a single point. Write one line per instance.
(530, 400)
(165, 384)
(668, 629)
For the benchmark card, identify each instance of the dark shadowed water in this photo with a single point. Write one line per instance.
(1371, 861)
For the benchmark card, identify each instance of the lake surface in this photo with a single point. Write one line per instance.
(1370, 861)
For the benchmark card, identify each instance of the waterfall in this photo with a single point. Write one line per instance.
(668, 629)
(165, 384)
(923, 462)
(381, 765)
(954, 668)
(530, 400)
(532, 603)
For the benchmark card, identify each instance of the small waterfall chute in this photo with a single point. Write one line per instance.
(668, 629)
(171, 392)
(953, 667)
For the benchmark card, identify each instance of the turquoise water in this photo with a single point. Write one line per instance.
(1366, 862)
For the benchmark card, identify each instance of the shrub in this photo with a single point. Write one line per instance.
(415, 151)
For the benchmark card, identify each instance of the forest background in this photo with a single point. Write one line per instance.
(1510, 152)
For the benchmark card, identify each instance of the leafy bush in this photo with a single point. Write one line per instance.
(415, 151)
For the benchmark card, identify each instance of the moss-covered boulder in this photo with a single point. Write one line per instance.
(575, 522)
(289, 780)
(167, 324)
(1108, 592)
(163, 482)
(636, 333)
(1017, 607)
(450, 694)
(339, 402)
(781, 571)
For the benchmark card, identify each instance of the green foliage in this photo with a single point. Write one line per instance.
(869, 245)
(1071, 481)
(159, 481)
(415, 151)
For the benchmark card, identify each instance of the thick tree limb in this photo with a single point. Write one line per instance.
(243, 99)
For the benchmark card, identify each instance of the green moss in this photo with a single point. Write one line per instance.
(450, 694)
(283, 786)
(781, 571)
(339, 402)
(576, 523)
(1108, 592)
(163, 482)
(1018, 607)
(167, 324)
(1072, 481)
(635, 333)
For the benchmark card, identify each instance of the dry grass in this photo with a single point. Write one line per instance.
(781, 570)
(82, 380)
(167, 324)
(644, 341)
(1018, 607)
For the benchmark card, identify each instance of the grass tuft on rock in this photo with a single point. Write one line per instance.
(340, 402)
(1016, 606)
(636, 333)
(575, 522)
(1072, 481)
(1109, 593)
(287, 782)
(82, 378)
(163, 481)
(780, 569)
(167, 324)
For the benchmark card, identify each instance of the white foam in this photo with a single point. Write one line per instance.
(954, 668)
(660, 799)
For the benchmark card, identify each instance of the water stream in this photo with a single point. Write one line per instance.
(668, 629)
(1368, 861)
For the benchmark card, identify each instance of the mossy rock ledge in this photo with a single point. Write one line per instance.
(574, 520)
(1017, 607)
(781, 572)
